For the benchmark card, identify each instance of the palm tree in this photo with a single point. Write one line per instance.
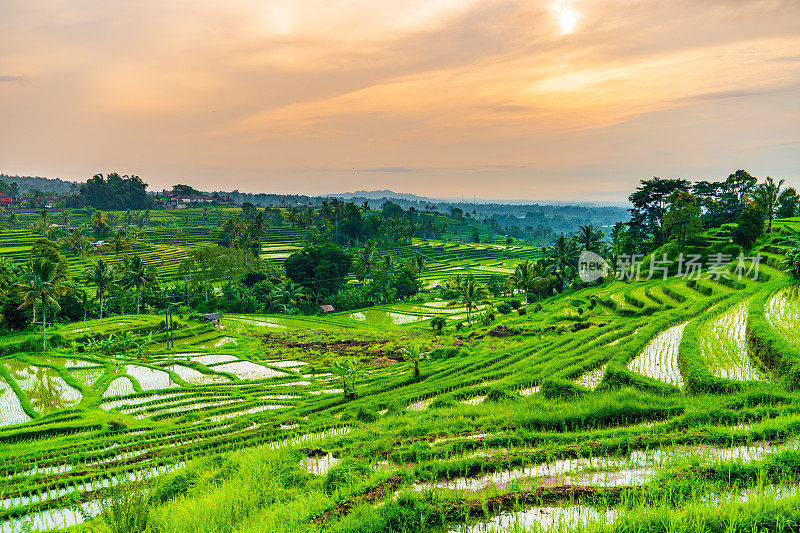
(418, 263)
(564, 254)
(119, 242)
(99, 220)
(104, 276)
(523, 278)
(589, 238)
(288, 294)
(137, 275)
(42, 282)
(259, 229)
(470, 295)
(766, 197)
(365, 260)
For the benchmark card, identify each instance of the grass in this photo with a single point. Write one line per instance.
(639, 408)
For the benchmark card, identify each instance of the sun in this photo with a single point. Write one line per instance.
(567, 17)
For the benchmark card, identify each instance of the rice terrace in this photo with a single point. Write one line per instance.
(400, 266)
(338, 367)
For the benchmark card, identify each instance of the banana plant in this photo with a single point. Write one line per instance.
(416, 355)
(348, 372)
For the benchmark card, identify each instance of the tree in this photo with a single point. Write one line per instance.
(416, 355)
(104, 276)
(564, 255)
(113, 193)
(259, 229)
(323, 269)
(137, 275)
(119, 241)
(99, 221)
(470, 294)
(683, 218)
(47, 249)
(438, 323)
(42, 282)
(749, 227)
(789, 203)
(208, 263)
(766, 197)
(589, 238)
(523, 278)
(288, 294)
(184, 190)
(650, 204)
(365, 260)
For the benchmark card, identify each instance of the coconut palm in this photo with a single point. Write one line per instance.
(470, 295)
(288, 294)
(104, 276)
(418, 263)
(119, 241)
(766, 197)
(137, 275)
(99, 220)
(588, 238)
(564, 254)
(259, 228)
(523, 278)
(42, 283)
(365, 260)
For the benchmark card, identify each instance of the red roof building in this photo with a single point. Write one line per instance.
(5, 199)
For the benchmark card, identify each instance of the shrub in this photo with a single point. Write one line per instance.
(504, 308)
(515, 304)
(438, 324)
(522, 311)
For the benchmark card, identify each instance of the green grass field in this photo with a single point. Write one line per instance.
(660, 405)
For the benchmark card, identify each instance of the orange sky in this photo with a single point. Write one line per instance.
(559, 99)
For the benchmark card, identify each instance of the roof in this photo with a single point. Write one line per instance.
(327, 308)
(212, 316)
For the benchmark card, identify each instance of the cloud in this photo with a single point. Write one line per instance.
(11, 79)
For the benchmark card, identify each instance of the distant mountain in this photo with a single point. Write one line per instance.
(379, 195)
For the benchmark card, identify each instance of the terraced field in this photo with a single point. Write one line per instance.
(554, 417)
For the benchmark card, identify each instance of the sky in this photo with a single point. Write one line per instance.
(550, 100)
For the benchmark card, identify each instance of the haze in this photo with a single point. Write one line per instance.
(499, 99)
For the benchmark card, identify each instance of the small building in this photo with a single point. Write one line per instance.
(327, 308)
(5, 199)
(214, 318)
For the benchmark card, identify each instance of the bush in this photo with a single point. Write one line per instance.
(522, 311)
(344, 474)
(438, 324)
(504, 308)
(515, 304)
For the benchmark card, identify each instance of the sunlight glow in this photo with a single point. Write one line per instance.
(567, 17)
